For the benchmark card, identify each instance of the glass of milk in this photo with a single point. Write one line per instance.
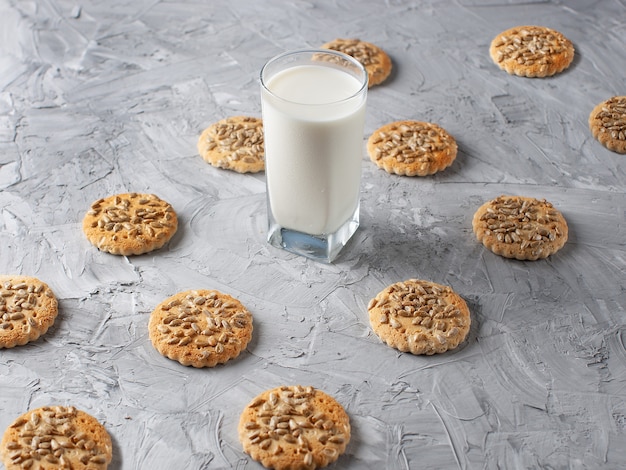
(313, 104)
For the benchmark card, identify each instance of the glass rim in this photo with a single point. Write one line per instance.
(340, 54)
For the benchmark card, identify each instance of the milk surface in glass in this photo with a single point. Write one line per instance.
(313, 147)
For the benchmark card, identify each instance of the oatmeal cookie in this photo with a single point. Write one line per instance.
(294, 428)
(532, 51)
(412, 148)
(607, 122)
(419, 317)
(56, 437)
(200, 328)
(376, 61)
(520, 227)
(28, 309)
(234, 143)
(130, 223)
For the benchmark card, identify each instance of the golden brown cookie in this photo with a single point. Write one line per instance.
(294, 428)
(200, 328)
(130, 223)
(412, 148)
(373, 58)
(520, 227)
(419, 317)
(28, 308)
(607, 122)
(234, 143)
(532, 51)
(56, 437)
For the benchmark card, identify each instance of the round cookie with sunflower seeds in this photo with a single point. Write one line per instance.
(234, 143)
(28, 309)
(294, 428)
(376, 61)
(532, 51)
(56, 437)
(412, 148)
(130, 223)
(420, 317)
(607, 122)
(520, 227)
(200, 328)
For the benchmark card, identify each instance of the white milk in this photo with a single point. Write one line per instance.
(313, 147)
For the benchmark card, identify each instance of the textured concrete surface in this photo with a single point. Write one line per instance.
(100, 97)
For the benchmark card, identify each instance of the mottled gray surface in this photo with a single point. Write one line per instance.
(100, 97)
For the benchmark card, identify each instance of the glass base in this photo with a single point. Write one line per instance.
(324, 248)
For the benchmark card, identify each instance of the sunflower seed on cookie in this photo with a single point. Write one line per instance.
(532, 51)
(28, 309)
(234, 143)
(607, 122)
(412, 148)
(420, 317)
(520, 227)
(376, 61)
(200, 328)
(294, 428)
(130, 223)
(56, 437)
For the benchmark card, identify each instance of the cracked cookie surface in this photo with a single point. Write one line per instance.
(234, 143)
(200, 328)
(532, 51)
(294, 428)
(420, 317)
(130, 223)
(520, 227)
(28, 309)
(56, 437)
(607, 122)
(376, 61)
(412, 148)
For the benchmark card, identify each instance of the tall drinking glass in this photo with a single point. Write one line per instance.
(313, 104)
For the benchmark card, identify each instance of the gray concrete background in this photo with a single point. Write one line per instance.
(99, 97)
